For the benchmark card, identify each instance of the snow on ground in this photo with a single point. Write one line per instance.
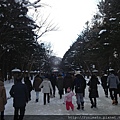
(56, 106)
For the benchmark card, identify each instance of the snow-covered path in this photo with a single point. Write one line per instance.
(56, 106)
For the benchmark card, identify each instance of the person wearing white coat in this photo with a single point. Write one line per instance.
(46, 84)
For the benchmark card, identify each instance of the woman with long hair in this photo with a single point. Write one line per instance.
(93, 90)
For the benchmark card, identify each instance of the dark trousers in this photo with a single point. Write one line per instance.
(65, 90)
(48, 98)
(19, 113)
(105, 90)
(29, 95)
(113, 94)
(53, 91)
(2, 115)
(60, 93)
(93, 101)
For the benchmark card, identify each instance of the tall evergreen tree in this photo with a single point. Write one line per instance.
(109, 34)
(17, 38)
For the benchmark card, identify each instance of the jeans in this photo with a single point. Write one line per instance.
(80, 98)
(37, 95)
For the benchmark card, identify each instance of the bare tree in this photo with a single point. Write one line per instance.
(44, 25)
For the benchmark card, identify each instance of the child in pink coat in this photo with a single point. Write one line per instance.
(68, 99)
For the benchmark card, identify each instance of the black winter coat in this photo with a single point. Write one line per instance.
(68, 81)
(80, 85)
(60, 82)
(19, 93)
(29, 85)
(104, 82)
(93, 89)
(53, 80)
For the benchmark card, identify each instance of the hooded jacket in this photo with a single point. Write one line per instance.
(112, 81)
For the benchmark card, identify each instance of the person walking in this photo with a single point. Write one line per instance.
(53, 82)
(46, 85)
(36, 83)
(19, 93)
(68, 99)
(59, 83)
(3, 99)
(104, 84)
(113, 82)
(29, 86)
(80, 85)
(93, 90)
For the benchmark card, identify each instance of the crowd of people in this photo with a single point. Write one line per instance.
(68, 85)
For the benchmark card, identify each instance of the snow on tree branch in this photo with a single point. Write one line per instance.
(102, 31)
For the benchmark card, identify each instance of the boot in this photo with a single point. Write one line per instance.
(95, 104)
(82, 103)
(36, 100)
(106, 96)
(113, 102)
(78, 106)
(92, 103)
(60, 96)
(116, 102)
(92, 106)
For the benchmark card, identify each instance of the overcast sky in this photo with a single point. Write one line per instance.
(70, 16)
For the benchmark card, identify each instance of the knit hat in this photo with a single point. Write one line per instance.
(68, 90)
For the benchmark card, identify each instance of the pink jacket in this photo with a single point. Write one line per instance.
(68, 97)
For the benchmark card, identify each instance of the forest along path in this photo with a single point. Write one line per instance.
(56, 106)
